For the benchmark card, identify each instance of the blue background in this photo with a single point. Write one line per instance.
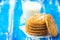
(17, 33)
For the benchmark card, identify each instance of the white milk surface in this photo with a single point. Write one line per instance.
(30, 8)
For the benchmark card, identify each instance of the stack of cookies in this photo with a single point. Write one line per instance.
(36, 25)
(40, 25)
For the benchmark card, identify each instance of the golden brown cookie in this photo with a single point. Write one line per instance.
(33, 25)
(37, 19)
(36, 27)
(51, 26)
(36, 33)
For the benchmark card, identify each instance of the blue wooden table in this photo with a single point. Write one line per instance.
(17, 33)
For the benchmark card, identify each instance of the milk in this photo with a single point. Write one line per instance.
(30, 8)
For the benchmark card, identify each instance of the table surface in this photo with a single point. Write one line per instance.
(18, 34)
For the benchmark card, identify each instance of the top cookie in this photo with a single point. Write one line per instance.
(51, 26)
(37, 19)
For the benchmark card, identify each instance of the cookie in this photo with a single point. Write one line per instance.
(28, 22)
(37, 19)
(36, 30)
(51, 25)
(36, 27)
(36, 33)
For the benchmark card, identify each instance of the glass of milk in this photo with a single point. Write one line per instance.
(30, 7)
